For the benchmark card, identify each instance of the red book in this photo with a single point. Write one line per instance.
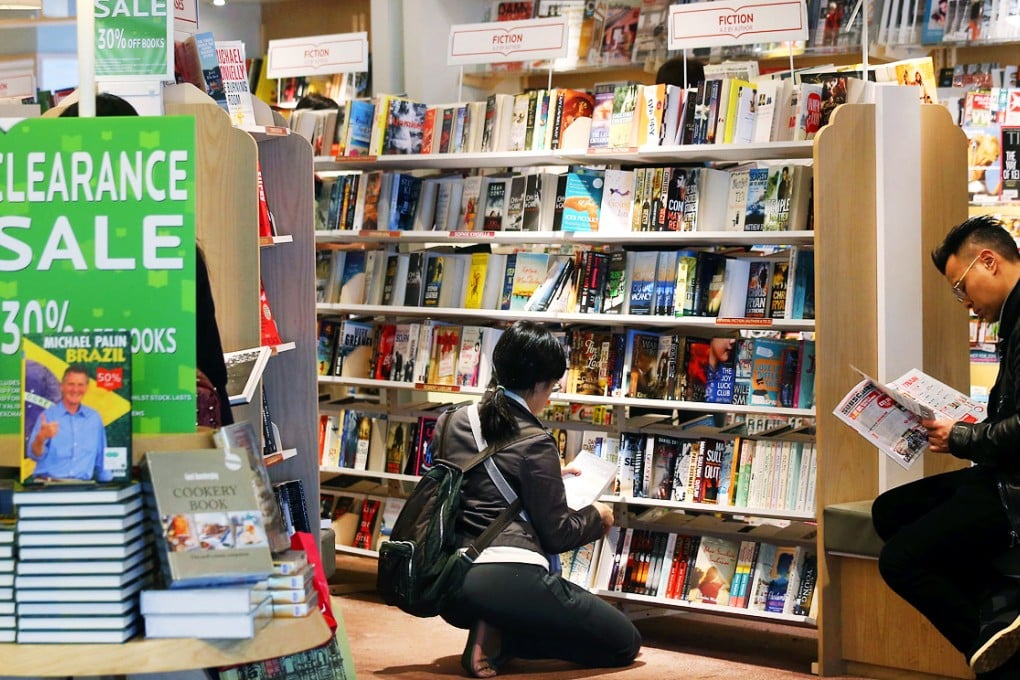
(270, 333)
(384, 351)
(267, 226)
(428, 129)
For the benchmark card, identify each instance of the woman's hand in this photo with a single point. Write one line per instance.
(570, 470)
(606, 513)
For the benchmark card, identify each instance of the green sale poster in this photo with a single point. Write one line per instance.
(97, 233)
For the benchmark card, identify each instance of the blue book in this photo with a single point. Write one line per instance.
(582, 199)
(805, 389)
(642, 287)
(403, 201)
(803, 306)
(508, 281)
(359, 130)
(205, 43)
(754, 218)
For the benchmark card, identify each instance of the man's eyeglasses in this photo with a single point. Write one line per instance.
(959, 290)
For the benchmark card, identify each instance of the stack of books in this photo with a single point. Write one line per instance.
(83, 556)
(7, 620)
(290, 587)
(222, 613)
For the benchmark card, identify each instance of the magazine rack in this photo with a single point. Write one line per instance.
(280, 638)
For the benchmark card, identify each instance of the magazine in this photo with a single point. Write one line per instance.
(890, 415)
(596, 476)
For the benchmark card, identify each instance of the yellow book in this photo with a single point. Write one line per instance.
(382, 112)
(651, 103)
(477, 270)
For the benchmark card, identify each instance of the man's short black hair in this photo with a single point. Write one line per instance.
(983, 231)
(672, 72)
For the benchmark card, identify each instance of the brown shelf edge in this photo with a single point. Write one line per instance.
(281, 637)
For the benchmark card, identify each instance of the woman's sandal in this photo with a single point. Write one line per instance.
(481, 657)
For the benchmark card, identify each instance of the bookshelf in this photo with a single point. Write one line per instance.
(852, 600)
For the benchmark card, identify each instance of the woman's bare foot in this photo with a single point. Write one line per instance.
(481, 651)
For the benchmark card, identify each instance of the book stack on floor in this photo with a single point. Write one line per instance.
(7, 619)
(290, 587)
(83, 556)
(221, 613)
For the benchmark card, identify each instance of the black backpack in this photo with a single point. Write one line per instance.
(420, 563)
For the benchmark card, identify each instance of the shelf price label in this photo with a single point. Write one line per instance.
(134, 39)
(500, 41)
(707, 24)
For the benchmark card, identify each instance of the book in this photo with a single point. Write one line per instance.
(244, 371)
(596, 477)
(234, 76)
(85, 377)
(75, 495)
(214, 600)
(206, 503)
(240, 439)
(218, 626)
(889, 415)
(33, 637)
(714, 567)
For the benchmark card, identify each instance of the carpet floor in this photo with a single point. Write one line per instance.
(386, 643)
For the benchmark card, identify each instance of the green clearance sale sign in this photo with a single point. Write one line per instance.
(97, 233)
(134, 39)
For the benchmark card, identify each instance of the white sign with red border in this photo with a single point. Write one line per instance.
(186, 16)
(501, 41)
(707, 24)
(17, 85)
(317, 55)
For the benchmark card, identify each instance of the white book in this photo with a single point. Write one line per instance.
(375, 276)
(81, 510)
(764, 110)
(209, 626)
(595, 479)
(425, 210)
(82, 567)
(713, 199)
(92, 538)
(225, 600)
(75, 608)
(734, 295)
(118, 580)
(29, 637)
(617, 201)
(76, 525)
(80, 594)
(63, 553)
(494, 274)
(244, 371)
(54, 495)
(61, 623)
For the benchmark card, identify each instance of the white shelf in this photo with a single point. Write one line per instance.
(351, 550)
(713, 508)
(577, 398)
(612, 320)
(279, 456)
(370, 474)
(283, 347)
(265, 241)
(647, 154)
(707, 608)
(670, 238)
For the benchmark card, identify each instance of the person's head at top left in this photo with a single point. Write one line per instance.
(107, 104)
(979, 259)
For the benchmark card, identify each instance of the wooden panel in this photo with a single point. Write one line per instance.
(845, 303)
(298, 18)
(878, 625)
(279, 638)
(943, 206)
(226, 214)
(291, 380)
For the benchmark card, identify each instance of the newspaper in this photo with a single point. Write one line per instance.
(586, 488)
(889, 416)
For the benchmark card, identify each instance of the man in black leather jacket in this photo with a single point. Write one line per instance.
(943, 532)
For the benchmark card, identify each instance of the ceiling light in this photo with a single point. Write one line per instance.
(219, 3)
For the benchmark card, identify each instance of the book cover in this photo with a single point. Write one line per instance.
(404, 125)
(757, 302)
(76, 407)
(754, 218)
(529, 273)
(210, 524)
(574, 109)
(244, 371)
(582, 200)
(361, 113)
(644, 364)
(234, 76)
(767, 370)
(354, 349)
(642, 281)
(714, 566)
(469, 356)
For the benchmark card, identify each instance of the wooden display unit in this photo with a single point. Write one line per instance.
(853, 600)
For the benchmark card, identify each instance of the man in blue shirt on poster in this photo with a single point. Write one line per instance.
(69, 438)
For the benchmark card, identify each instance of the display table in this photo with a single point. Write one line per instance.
(280, 638)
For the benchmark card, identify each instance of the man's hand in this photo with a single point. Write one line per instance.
(938, 434)
(47, 431)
